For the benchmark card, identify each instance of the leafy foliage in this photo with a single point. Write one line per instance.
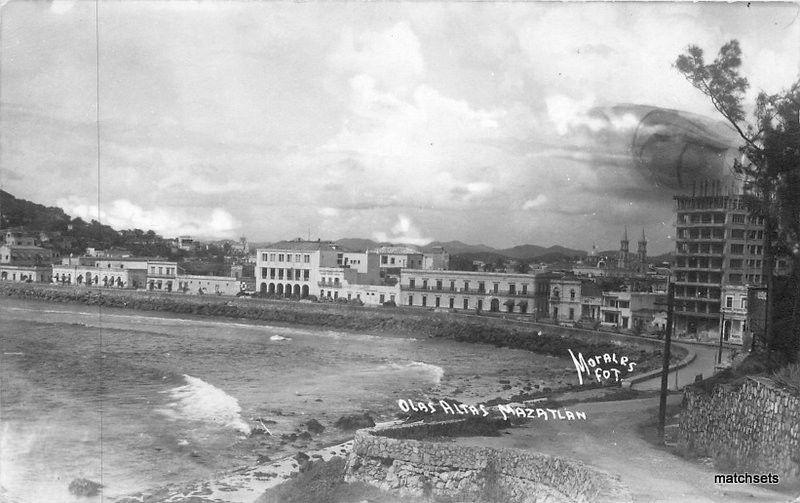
(770, 163)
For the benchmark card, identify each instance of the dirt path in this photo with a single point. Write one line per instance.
(610, 440)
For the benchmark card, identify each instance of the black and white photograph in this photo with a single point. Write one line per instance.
(399, 251)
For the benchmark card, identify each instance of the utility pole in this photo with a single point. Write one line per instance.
(662, 406)
(721, 333)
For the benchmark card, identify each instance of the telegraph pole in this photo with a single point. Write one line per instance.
(662, 406)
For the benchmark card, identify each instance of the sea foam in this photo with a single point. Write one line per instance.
(434, 372)
(198, 400)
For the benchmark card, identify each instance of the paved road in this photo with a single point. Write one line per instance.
(611, 440)
(702, 364)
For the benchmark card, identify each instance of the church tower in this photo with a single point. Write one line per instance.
(622, 258)
(641, 253)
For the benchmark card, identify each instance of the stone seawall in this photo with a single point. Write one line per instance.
(749, 426)
(469, 473)
(412, 321)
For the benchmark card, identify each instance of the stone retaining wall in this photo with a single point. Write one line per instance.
(469, 473)
(749, 426)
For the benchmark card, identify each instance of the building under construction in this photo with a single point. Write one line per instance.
(718, 244)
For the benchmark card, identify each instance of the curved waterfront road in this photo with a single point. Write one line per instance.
(612, 441)
(703, 364)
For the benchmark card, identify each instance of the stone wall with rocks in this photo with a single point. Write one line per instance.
(469, 473)
(750, 426)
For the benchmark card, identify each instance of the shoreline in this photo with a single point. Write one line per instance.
(253, 479)
(395, 321)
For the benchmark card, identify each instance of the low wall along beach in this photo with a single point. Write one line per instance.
(554, 341)
(444, 469)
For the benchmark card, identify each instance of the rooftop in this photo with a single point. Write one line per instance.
(397, 250)
(300, 245)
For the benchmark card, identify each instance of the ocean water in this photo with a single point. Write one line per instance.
(139, 400)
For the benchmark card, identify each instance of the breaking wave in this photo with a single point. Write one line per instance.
(198, 400)
(434, 372)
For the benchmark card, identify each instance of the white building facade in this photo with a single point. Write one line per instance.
(468, 291)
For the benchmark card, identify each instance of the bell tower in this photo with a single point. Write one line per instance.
(622, 257)
(641, 253)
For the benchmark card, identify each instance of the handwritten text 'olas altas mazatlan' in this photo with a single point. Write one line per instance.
(507, 411)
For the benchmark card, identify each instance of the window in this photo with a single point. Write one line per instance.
(571, 313)
(263, 273)
(735, 263)
(280, 257)
(481, 287)
(424, 285)
(438, 302)
(438, 284)
(306, 258)
(297, 258)
(392, 261)
(571, 296)
(410, 300)
(384, 259)
(737, 249)
(512, 289)
(412, 283)
(525, 289)
(272, 257)
(452, 286)
(452, 302)
(743, 303)
(735, 279)
(466, 286)
(264, 257)
(424, 300)
(496, 287)
(737, 233)
(729, 301)
(555, 293)
(737, 218)
(305, 274)
(466, 303)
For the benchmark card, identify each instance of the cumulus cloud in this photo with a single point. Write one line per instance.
(328, 212)
(61, 6)
(392, 57)
(569, 114)
(403, 231)
(123, 214)
(536, 202)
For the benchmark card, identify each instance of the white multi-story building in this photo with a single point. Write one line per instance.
(733, 313)
(467, 290)
(300, 269)
(291, 268)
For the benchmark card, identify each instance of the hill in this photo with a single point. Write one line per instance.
(530, 252)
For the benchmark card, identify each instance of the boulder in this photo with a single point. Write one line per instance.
(314, 426)
(84, 487)
(355, 422)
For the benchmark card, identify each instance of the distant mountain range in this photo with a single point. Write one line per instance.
(478, 252)
(19, 212)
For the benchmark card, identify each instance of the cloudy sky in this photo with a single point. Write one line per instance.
(392, 121)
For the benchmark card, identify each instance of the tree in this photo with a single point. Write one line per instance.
(770, 162)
